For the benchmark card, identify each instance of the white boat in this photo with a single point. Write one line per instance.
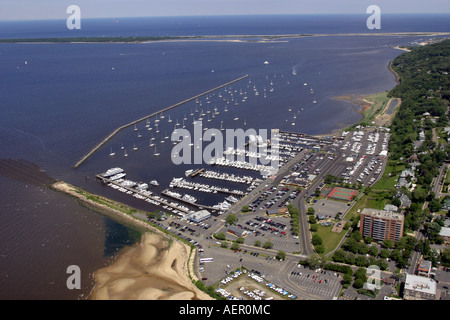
(112, 153)
(154, 183)
(156, 153)
(135, 148)
(188, 172)
(112, 171)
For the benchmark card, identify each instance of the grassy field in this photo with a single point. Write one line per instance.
(330, 240)
(379, 102)
(390, 177)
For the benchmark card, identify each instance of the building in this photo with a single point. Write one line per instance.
(199, 216)
(276, 212)
(420, 288)
(381, 225)
(405, 201)
(237, 231)
(424, 268)
(446, 204)
(445, 233)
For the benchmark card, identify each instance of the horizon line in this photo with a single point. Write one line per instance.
(230, 15)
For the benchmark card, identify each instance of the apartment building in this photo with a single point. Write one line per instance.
(381, 225)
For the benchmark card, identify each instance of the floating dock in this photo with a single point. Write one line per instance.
(194, 204)
(98, 146)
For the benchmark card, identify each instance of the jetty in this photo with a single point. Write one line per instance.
(112, 134)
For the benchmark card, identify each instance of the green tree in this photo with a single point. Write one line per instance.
(316, 240)
(339, 255)
(231, 219)
(267, 245)
(281, 255)
(387, 243)
(220, 236)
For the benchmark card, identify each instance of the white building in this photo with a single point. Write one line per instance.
(199, 216)
(420, 288)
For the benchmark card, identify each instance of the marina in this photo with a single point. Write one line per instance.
(159, 112)
(140, 191)
(201, 187)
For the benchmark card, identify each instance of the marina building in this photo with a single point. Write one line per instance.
(199, 216)
(381, 225)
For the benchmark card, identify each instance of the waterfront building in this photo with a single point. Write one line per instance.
(199, 216)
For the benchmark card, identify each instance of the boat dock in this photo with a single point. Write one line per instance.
(129, 187)
(98, 146)
(170, 194)
(182, 183)
(196, 172)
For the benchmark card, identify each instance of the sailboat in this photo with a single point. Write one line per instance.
(134, 147)
(156, 153)
(125, 154)
(170, 120)
(122, 147)
(112, 153)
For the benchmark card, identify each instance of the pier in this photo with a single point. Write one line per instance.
(170, 194)
(98, 146)
(148, 196)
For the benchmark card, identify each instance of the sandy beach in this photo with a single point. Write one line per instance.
(157, 268)
(150, 270)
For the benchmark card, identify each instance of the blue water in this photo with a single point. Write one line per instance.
(226, 25)
(59, 100)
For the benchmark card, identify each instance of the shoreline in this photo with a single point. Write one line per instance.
(361, 100)
(217, 38)
(158, 255)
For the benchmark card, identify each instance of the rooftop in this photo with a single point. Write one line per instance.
(445, 232)
(382, 214)
(422, 284)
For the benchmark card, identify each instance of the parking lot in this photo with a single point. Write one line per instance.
(323, 283)
(329, 208)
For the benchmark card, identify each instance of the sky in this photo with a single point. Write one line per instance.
(56, 9)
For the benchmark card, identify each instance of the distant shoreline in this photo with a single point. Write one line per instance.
(218, 38)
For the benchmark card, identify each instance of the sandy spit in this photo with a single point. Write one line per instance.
(157, 268)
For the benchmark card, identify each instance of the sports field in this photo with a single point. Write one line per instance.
(339, 193)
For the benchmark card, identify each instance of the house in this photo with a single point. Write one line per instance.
(445, 233)
(391, 208)
(405, 201)
(424, 268)
(446, 204)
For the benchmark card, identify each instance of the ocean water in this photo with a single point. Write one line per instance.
(59, 100)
